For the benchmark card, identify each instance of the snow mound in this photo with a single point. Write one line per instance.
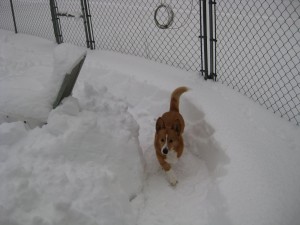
(83, 167)
(30, 91)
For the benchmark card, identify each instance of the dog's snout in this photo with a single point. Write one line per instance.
(165, 151)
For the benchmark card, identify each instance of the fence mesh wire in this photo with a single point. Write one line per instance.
(32, 17)
(6, 19)
(258, 42)
(128, 26)
(72, 26)
(258, 52)
(125, 26)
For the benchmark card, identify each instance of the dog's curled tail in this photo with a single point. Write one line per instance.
(174, 104)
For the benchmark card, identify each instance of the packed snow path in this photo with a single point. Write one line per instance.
(189, 201)
(159, 203)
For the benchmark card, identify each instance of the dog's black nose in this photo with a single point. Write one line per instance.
(165, 151)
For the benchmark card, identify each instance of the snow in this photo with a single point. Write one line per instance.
(39, 74)
(94, 161)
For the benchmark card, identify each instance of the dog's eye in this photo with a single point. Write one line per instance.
(171, 141)
(162, 140)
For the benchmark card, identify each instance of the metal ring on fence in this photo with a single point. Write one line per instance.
(170, 16)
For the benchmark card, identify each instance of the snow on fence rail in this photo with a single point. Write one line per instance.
(258, 42)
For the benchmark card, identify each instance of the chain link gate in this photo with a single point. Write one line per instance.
(129, 27)
(69, 17)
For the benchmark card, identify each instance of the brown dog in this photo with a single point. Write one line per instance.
(168, 140)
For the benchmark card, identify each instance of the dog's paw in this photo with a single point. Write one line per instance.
(174, 183)
(171, 177)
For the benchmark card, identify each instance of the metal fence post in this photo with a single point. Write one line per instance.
(56, 22)
(201, 38)
(204, 37)
(205, 25)
(13, 15)
(212, 39)
(90, 27)
(90, 42)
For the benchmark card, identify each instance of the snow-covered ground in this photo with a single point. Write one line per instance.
(94, 162)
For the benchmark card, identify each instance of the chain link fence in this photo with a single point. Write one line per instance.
(258, 52)
(258, 42)
(71, 21)
(128, 26)
(6, 18)
(31, 17)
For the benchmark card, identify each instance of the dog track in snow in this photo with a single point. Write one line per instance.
(201, 163)
(197, 194)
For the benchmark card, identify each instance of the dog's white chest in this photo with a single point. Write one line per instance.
(172, 157)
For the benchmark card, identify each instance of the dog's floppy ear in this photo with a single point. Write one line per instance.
(160, 124)
(177, 126)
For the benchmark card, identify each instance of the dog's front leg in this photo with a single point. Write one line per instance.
(167, 168)
(171, 177)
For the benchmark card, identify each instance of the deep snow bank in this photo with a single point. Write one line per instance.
(31, 73)
(83, 167)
